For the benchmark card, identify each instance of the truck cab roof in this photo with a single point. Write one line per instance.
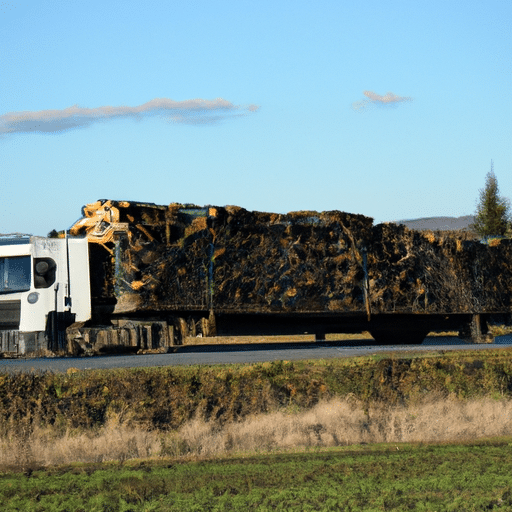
(14, 239)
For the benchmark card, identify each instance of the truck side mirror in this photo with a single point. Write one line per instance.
(44, 272)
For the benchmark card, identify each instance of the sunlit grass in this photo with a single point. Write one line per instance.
(469, 477)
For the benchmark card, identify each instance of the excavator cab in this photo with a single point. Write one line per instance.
(100, 222)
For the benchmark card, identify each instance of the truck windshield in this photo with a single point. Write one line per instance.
(14, 274)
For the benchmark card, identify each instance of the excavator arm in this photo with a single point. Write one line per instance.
(100, 222)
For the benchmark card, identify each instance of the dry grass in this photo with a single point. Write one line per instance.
(330, 423)
(500, 330)
(344, 422)
(297, 338)
(20, 449)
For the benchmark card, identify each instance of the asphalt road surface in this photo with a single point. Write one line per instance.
(222, 354)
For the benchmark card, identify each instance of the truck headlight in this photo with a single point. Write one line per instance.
(33, 297)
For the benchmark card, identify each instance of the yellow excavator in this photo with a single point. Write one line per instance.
(100, 221)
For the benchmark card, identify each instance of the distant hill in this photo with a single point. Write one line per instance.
(439, 223)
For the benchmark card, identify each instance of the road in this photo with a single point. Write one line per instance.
(222, 354)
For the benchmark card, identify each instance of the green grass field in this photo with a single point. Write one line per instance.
(385, 477)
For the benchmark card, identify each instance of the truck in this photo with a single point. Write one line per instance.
(131, 276)
(41, 281)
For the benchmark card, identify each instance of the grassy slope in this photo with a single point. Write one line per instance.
(166, 398)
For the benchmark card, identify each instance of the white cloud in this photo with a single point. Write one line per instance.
(189, 111)
(374, 99)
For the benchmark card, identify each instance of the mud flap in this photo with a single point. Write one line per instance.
(56, 325)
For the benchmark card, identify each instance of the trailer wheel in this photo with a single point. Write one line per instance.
(398, 336)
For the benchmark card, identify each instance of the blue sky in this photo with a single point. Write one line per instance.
(97, 101)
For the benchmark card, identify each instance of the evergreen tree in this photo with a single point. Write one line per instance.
(493, 211)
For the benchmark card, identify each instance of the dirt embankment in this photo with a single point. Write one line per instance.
(49, 419)
(165, 398)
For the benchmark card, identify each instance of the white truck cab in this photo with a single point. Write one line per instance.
(44, 287)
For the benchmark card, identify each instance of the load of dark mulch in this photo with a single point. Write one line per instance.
(412, 271)
(228, 259)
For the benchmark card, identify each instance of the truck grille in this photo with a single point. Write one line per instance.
(10, 313)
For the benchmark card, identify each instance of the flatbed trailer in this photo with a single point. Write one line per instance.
(138, 276)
